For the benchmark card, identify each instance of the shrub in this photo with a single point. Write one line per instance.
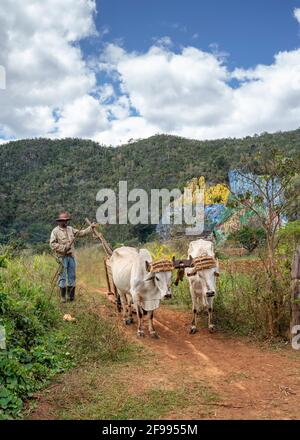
(35, 349)
(252, 302)
(289, 237)
(248, 236)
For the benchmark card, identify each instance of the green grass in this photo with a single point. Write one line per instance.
(35, 345)
(39, 343)
(93, 337)
(90, 266)
(118, 403)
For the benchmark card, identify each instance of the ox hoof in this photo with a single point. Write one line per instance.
(129, 321)
(154, 335)
(193, 330)
(211, 329)
(140, 334)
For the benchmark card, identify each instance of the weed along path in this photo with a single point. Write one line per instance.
(178, 376)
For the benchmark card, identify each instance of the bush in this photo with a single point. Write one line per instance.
(289, 237)
(248, 236)
(252, 302)
(249, 301)
(35, 349)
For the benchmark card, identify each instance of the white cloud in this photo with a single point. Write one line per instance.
(2, 78)
(52, 90)
(45, 70)
(297, 14)
(174, 90)
(163, 41)
(121, 131)
(83, 117)
(189, 93)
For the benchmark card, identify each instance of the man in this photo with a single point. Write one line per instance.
(62, 243)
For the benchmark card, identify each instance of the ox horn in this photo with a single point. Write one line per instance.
(181, 264)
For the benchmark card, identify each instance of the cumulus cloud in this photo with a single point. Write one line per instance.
(190, 93)
(123, 130)
(83, 117)
(45, 70)
(297, 14)
(173, 90)
(52, 90)
(163, 41)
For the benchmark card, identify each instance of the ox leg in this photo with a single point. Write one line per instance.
(124, 307)
(152, 330)
(129, 309)
(139, 313)
(195, 314)
(211, 326)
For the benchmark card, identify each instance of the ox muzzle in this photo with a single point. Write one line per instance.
(210, 294)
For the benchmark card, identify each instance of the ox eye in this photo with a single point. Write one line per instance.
(157, 279)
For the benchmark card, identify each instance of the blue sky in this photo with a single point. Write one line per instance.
(250, 31)
(114, 70)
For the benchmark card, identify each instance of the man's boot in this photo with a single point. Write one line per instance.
(63, 294)
(71, 293)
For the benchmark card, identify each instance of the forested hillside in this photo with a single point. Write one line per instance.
(40, 177)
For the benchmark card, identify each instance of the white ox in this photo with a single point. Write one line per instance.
(137, 286)
(203, 283)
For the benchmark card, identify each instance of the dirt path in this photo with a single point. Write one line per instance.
(251, 382)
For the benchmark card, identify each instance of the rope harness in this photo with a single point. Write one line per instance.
(162, 265)
(202, 263)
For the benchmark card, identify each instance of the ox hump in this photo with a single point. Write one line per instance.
(201, 247)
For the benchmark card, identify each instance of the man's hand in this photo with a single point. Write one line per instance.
(67, 249)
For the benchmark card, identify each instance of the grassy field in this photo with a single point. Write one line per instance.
(97, 370)
(106, 381)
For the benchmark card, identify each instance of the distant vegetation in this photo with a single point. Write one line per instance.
(39, 177)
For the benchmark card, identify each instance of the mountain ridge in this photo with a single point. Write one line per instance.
(39, 177)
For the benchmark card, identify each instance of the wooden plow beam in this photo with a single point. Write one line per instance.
(112, 290)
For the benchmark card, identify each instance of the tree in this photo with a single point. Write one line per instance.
(270, 180)
(249, 237)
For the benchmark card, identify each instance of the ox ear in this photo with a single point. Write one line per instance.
(147, 266)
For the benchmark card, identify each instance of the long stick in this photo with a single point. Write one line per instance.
(106, 246)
